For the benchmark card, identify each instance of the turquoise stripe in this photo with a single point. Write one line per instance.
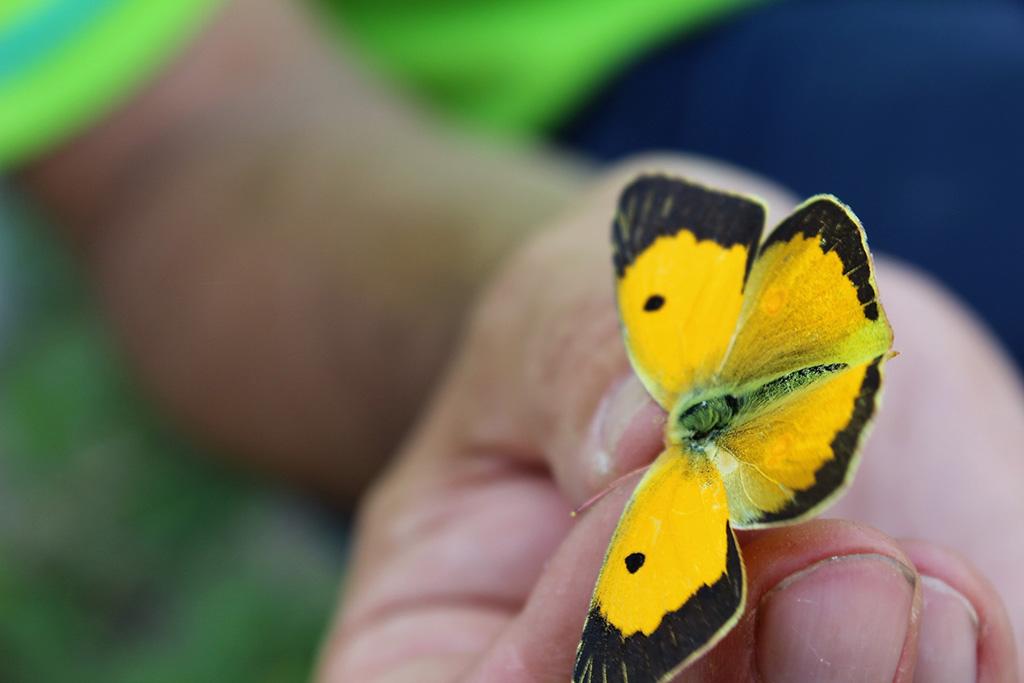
(32, 39)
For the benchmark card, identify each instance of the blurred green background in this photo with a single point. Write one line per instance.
(126, 555)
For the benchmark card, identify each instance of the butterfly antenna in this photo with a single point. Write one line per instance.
(611, 487)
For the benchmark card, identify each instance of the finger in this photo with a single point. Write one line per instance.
(827, 601)
(965, 632)
(950, 430)
(544, 354)
(443, 563)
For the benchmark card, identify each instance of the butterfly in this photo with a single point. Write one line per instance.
(767, 356)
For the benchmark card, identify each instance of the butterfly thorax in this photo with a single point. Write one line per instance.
(696, 421)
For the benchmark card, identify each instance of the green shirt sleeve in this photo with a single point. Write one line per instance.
(515, 67)
(65, 63)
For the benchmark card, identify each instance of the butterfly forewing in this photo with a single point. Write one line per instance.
(682, 253)
(811, 299)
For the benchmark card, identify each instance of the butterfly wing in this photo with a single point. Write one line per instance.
(810, 300)
(787, 456)
(672, 582)
(681, 253)
(806, 363)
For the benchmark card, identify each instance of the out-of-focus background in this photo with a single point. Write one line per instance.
(128, 553)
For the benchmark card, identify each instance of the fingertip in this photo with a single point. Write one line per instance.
(961, 608)
(773, 554)
(625, 434)
(827, 600)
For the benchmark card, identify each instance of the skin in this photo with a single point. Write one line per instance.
(239, 220)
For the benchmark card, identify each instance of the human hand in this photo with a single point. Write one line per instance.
(468, 566)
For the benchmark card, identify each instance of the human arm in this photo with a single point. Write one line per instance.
(284, 247)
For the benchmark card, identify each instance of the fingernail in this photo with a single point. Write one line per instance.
(841, 619)
(626, 413)
(947, 641)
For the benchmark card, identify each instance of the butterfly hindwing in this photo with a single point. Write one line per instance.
(792, 449)
(682, 253)
(672, 581)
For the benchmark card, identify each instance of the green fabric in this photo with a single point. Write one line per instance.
(105, 48)
(514, 66)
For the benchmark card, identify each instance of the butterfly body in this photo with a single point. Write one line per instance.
(700, 420)
(768, 358)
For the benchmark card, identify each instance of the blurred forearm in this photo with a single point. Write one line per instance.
(285, 249)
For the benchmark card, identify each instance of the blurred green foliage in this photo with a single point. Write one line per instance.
(126, 555)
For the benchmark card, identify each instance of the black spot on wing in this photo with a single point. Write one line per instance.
(652, 206)
(832, 473)
(604, 651)
(634, 561)
(836, 231)
(654, 302)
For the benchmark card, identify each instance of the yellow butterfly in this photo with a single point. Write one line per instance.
(768, 357)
